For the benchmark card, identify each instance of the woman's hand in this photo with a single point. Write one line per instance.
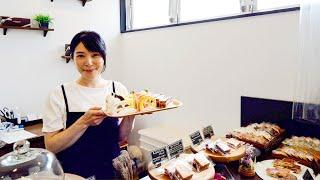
(128, 118)
(93, 117)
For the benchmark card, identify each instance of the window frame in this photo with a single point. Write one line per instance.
(124, 23)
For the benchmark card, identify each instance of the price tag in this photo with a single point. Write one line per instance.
(196, 138)
(208, 132)
(175, 148)
(159, 155)
(307, 175)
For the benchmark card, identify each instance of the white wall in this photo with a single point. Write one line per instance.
(30, 63)
(209, 66)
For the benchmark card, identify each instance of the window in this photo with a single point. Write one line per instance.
(140, 14)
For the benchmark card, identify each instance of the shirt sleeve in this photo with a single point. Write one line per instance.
(54, 114)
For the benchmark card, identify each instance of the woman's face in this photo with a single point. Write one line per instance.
(89, 64)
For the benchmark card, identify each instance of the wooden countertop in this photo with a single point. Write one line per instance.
(35, 129)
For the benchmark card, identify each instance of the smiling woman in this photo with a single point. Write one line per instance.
(84, 139)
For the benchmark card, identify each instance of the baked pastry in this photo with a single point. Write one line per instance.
(222, 146)
(280, 173)
(258, 134)
(200, 162)
(162, 100)
(116, 104)
(183, 172)
(288, 164)
(234, 143)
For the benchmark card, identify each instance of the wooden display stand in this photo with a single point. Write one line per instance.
(234, 155)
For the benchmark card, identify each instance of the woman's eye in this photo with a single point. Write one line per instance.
(80, 56)
(96, 55)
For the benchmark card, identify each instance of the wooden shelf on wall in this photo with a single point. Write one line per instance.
(66, 55)
(83, 2)
(5, 28)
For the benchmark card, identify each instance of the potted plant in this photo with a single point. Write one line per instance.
(43, 20)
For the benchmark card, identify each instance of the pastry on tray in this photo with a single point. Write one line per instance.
(288, 164)
(218, 146)
(305, 150)
(135, 102)
(184, 167)
(183, 172)
(280, 173)
(178, 169)
(200, 162)
(234, 143)
(259, 135)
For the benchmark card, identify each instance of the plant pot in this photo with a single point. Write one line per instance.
(44, 25)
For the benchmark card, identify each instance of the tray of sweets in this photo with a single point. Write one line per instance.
(140, 103)
(222, 150)
(186, 166)
(265, 136)
(304, 150)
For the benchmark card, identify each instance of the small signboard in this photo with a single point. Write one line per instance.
(196, 138)
(208, 132)
(307, 175)
(159, 155)
(175, 148)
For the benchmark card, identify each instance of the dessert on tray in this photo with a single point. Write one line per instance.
(261, 135)
(138, 103)
(218, 146)
(288, 164)
(280, 173)
(305, 150)
(186, 166)
(285, 168)
(221, 149)
(200, 162)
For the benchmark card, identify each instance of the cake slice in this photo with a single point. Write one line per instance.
(223, 147)
(183, 172)
(233, 143)
(200, 162)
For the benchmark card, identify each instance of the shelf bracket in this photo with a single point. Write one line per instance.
(5, 31)
(51, 0)
(45, 33)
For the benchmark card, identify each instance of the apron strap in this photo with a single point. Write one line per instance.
(113, 88)
(65, 98)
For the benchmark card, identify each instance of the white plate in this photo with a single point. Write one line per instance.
(261, 167)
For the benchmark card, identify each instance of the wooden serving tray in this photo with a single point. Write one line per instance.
(234, 155)
(269, 146)
(156, 173)
(174, 104)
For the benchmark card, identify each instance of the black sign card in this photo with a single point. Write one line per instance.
(196, 138)
(208, 132)
(307, 175)
(175, 148)
(159, 155)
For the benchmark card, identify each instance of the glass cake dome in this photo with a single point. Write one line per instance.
(26, 163)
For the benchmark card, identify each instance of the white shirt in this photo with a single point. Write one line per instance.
(80, 99)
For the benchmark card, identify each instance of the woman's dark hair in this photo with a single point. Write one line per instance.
(92, 41)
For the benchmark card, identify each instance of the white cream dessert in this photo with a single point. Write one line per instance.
(116, 105)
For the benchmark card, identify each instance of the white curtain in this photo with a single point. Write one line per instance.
(307, 97)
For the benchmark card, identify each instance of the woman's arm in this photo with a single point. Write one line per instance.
(126, 127)
(60, 140)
